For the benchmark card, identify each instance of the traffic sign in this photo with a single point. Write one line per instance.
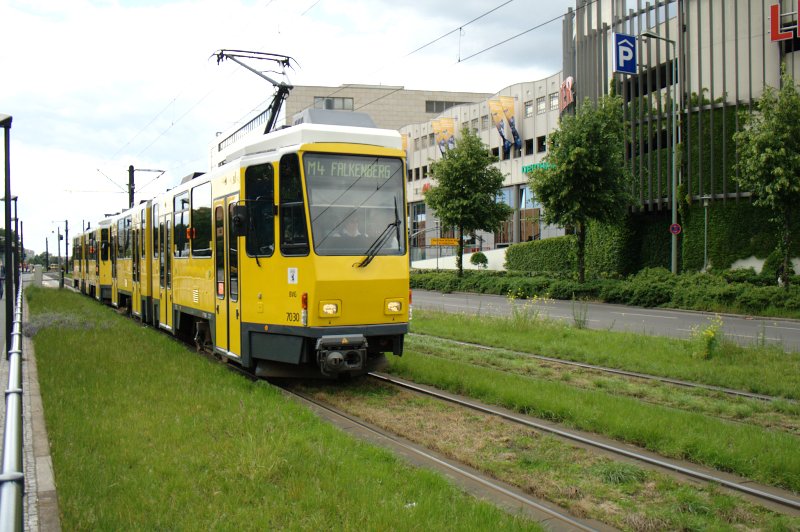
(624, 53)
(675, 229)
(444, 241)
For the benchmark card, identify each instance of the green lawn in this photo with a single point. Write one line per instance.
(147, 435)
(755, 452)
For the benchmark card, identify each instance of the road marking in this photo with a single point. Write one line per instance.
(780, 327)
(645, 315)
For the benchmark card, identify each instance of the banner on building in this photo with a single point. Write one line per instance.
(496, 110)
(567, 93)
(436, 126)
(448, 138)
(507, 102)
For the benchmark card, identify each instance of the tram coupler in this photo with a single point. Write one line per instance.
(341, 353)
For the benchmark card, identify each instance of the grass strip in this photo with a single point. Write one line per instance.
(776, 415)
(766, 370)
(146, 435)
(587, 483)
(769, 457)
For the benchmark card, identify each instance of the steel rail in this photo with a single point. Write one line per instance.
(460, 471)
(790, 503)
(621, 372)
(13, 476)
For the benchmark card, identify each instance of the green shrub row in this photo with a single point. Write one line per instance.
(739, 291)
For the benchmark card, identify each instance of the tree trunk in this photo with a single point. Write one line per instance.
(460, 256)
(581, 234)
(787, 253)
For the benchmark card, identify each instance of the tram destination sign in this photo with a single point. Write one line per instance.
(350, 167)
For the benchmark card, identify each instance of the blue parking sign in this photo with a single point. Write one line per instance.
(624, 53)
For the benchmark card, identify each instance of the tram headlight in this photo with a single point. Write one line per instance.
(329, 309)
(393, 306)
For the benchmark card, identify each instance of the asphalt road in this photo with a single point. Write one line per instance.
(745, 330)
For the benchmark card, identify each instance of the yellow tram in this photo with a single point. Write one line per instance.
(289, 257)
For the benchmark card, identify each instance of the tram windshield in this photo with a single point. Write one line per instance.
(356, 204)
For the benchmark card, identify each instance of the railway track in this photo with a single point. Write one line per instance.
(781, 500)
(644, 376)
(554, 518)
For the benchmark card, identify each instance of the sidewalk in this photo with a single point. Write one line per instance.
(40, 501)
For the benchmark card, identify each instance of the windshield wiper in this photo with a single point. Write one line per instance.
(376, 246)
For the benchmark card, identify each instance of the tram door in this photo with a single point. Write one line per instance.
(226, 267)
(165, 274)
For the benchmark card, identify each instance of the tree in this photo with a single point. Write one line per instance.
(465, 196)
(586, 178)
(769, 159)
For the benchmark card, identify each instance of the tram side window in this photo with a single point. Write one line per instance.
(219, 231)
(155, 231)
(128, 238)
(233, 257)
(124, 238)
(168, 258)
(294, 232)
(161, 254)
(201, 220)
(104, 244)
(181, 224)
(143, 237)
(259, 183)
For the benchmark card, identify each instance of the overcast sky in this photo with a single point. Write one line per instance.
(96, 85)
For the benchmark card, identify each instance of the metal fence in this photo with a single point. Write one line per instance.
(12, 477)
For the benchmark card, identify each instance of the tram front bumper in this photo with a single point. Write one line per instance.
(341, 353)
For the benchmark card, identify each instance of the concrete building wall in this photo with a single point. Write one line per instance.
(536, 114)
(390, 107)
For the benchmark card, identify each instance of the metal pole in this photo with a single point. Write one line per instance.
(22, 244)
(47, 254)
(66, 250)
(130, 186)
(674, 157)
(674, 243)
(16, 245)
(5, 122)
(60, 270)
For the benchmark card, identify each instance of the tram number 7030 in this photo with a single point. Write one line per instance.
(292, 316)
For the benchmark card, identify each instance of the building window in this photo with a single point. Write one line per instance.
(529, 109)
(424, 172)
(474, 125)
(410, 174)
(484, 122)
(541, 144)
(496, 152)
(431, 139)
(336, 103)
(416, 174)
(436, 106)
(541, 105)
(528, 146)
(553, 101)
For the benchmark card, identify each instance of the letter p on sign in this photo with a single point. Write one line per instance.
(624, 53)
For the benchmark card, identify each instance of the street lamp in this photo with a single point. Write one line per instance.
(66, 249)
(651, 35)
(5, 123)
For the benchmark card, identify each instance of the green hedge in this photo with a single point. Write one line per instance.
(543, 256)
(738, 292)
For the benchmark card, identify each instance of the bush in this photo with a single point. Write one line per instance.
(652, 287)
(479, 259)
